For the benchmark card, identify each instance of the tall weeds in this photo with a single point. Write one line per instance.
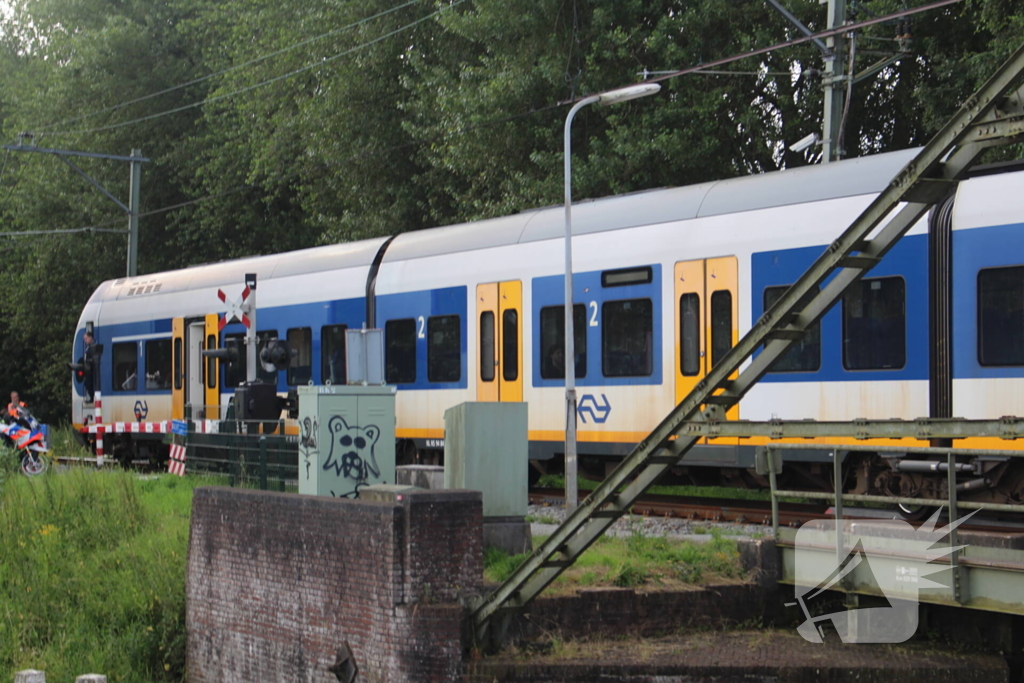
(92, 575)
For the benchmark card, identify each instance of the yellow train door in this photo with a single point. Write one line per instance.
(212, 383)
(706, 307)
(178, 368)
(500, 341)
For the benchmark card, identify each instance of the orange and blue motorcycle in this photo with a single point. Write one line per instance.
(24, 434)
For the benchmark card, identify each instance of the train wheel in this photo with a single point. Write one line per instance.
(914, 513)
(33, 464)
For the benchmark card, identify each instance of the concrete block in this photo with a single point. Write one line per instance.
(91, 678)
(424, 476)
(510, 534)
(30, 676)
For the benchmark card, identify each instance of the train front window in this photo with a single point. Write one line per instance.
(875, 325)
(158, 364)
(626, 338)
(400, 351)
(125, 366)
(803, 355)
(1001, 316)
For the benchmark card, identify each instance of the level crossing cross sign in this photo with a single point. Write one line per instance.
(238, 309)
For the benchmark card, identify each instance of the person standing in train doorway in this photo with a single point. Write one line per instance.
(88, 361)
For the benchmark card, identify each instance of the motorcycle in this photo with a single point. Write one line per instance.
(24, 434)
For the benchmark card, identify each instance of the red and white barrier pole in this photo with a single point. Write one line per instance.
(98, 419)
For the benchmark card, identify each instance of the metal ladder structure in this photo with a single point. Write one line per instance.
(992, 116)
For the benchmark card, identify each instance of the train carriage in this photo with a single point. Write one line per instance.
(665, 282)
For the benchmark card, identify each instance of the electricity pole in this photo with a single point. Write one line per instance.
(835, 81)
(134, 188)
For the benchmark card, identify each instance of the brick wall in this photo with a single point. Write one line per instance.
(276, 582)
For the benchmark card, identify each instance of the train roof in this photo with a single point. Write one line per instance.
(863, 175)
(848, 178)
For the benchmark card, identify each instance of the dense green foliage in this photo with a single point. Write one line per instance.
(311, 122)
(93, 575)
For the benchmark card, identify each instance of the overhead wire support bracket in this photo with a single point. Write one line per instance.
(826, 51)
(948, 157)
(134, 187)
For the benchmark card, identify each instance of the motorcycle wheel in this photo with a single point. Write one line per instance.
(33, 464)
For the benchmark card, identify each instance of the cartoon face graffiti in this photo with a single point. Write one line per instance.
(351, 455)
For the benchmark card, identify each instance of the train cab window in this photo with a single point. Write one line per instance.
(400, 351)
(1001, 316)
(444, 349)
(158, 364)
(510, 345)
(332, 354)
(268, 376)
(689, 334)
(875, 325)
(552, 340)
(300, 370)
(626, 338)
(234, 373)
(804, 355)
(721, 325)
(125, 366)
(487, 346)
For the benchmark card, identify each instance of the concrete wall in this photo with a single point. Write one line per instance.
(277, 582)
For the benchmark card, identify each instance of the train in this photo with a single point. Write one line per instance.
(665, 281)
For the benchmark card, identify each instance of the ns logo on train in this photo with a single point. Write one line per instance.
(597, 410)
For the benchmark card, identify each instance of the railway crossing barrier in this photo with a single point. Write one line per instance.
(994, 115)
(244, 453)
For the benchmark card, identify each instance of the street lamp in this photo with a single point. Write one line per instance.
(612, 97)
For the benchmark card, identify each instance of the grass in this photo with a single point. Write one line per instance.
(93, 575)
(635, 562)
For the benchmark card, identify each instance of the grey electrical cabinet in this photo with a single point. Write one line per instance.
(346, 438)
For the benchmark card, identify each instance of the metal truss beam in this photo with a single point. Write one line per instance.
(945, 159)
(924, 428)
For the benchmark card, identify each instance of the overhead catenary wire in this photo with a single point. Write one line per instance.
(239, 91)
(256, 60)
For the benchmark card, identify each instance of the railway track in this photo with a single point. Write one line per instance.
(704, 509)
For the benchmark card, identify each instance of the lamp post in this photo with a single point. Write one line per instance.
(612, 97)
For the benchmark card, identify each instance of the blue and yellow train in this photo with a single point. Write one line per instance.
(665, 282)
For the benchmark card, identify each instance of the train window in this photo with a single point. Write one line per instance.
(875, 325)
(510, 345)
(444, 349)
(211, 364)
(179, 368)
(552, 340)
(234, 373)
(125, 366)
(400, 351)
(263, 375)
(487, 346)
(300, 370)
(1001, 316)
(332, 354)
(627, 332)
(689, 334)
(721, 325)
(158, 364)
(804, 355)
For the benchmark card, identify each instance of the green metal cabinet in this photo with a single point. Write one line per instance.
(346, 439)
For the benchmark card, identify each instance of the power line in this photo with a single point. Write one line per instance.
(265, 57)
(217, 98)
(798, 41)
(91, 228)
